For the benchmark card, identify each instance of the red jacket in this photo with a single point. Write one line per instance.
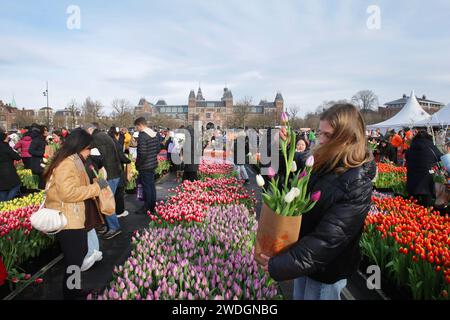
(24, 145)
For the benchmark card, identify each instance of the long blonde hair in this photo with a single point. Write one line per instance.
(347, 147)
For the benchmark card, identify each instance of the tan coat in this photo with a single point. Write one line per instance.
(69, 187)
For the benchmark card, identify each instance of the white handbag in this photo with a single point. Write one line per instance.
(46, 220)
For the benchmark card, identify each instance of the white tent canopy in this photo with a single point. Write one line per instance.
(409, 116)
(441, 118)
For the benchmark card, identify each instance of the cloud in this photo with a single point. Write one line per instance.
(311, 50)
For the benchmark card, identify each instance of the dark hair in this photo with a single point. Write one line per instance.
(304, 140)
(75, 142)
(140, 121)
(2, 135)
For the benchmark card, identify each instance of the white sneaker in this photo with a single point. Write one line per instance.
(88, 262)
(123, 214)
(98, 255)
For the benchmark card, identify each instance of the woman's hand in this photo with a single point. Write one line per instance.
(283, 133)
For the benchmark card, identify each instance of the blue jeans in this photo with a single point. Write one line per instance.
(92, 242)
(148, 184)
(306, 288)
(9, 194)
(112, 221)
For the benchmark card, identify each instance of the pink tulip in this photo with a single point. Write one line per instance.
(315, 196)
(271, 173)
(284, 118)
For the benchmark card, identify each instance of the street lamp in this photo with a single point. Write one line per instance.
(45, 93)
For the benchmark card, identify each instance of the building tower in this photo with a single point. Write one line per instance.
(228, 100)
(192, 104)
(279, 107)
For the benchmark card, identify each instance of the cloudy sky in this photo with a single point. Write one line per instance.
(311, 50)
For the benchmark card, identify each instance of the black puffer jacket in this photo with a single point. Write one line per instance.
(420, 158)
(8, 172)
(328, 248)
(37, 151)
(147, 151)
(107, 148)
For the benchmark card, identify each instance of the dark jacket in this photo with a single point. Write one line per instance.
(328, 247)
(420, 158)
(123, 160)
(388, 153)
(107, 149)
(148, 148)
(37, 151)
(8, 173)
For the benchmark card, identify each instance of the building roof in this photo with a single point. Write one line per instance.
(279, 97)
(405, 99)
(227, 94)
(192, 94)
(200, 95)
(161, 103)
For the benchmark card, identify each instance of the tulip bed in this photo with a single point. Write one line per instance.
(212, 260)
(191, 200)
(391, 177)
(215, 170)
(199, 246)
(411, 245)
(28, 179)
(18, 240)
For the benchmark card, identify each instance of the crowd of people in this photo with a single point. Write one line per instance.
(327, 252)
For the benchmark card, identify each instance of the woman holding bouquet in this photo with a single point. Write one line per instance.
(327, 252)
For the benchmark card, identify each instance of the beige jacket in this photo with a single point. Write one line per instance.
(69, 187)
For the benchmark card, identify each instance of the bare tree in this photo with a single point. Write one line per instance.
(292, 111)
(24, 119)
(92, 111)
(122, 112)
(74, 112)
(365, 99)
(242, 109)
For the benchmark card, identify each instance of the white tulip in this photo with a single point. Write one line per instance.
(260, 181)
(431, 171)
(296, 192)
(310, 161)
(294, 166)
(44, 160)
(288, 198)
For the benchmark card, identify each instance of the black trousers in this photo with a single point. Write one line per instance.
(74, 246)
(119, 197)
(425, 200)
(190, 176)
(26, 163)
